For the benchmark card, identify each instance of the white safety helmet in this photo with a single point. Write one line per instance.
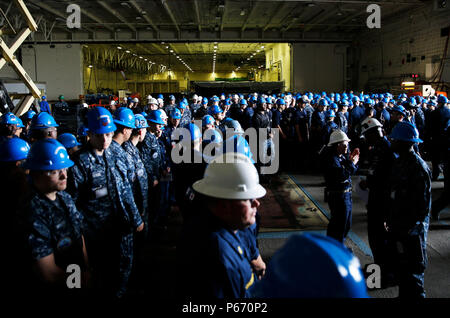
(230, 176)
(369, 123)
(163, 114)
(153, 101)
(337, 136)
(149, 97)
(195, 97)
(85, 105)
(112, 103)
(161, 101)
(136, 100)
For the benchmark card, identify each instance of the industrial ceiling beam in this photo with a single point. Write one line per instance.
(197, 15)
(93, 17)
(280, 8)
(222, 19)
(116, 14)
(170, 13)
(320, 19)
(248, 17)
(55, 12)
(345, 20)
(139, 9)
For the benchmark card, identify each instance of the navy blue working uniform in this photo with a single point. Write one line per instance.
(105, 198)
(327, 130)
(247, 117)
(408, 221)
(338, 172)
(55, 227)
(341, 121)
(186, 118)
(140, 181)
(381, 158)
(119, 153)
(151, 156)
(215, 261)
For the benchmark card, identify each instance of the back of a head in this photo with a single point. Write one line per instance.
(312, 266)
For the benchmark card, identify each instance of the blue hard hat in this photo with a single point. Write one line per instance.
(140, 121)
(182, 105)
(400, 109)
(29, 114)
(432, 103)
(243, 102)
(369, 101)
(215, 99)
(13, 149)
(329, 113)
(312, 266)
(171, 97)
(125, 117)
(355, 99)
(44, 97)
(175, 114)
(214, 110)
(323, 102)
(281, 102)
(161, 96)
(43, 120)
(144, 114)
(442, 99)
(100, 121)
(20, 123)
(333, 106)
(253, 99)
(208, 120)
(212, 135)
(82, 131)
(48, 154)
(238, 144)
(385, 100)
(261, 100)
(68, 140)
(9, 119)
(205, 100)
(194, 131)
(344, 103)
(228, 102)
(235, 125)
(405, 131)
(155, 116)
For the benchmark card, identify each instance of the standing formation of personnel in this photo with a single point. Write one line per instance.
(98, 208)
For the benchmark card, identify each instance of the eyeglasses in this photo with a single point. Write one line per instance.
(55, 173)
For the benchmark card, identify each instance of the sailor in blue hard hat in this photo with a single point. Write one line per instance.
(70, 142)
(408, 215)
(43, 125)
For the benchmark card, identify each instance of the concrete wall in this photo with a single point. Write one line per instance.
(384, 52)
(319, 67)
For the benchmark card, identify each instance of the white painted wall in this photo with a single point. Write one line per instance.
(318, 67)
(61, 68)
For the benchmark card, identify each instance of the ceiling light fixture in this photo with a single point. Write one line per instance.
(119, 47)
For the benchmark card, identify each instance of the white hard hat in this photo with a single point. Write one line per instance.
(369, 123)
(136, 100)
(195, 97)
(161, 101)
(149, 97)
(85, 105)
(163, 114)
(230, 176)
(112, 103)
(337, 136)
(153, 101)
